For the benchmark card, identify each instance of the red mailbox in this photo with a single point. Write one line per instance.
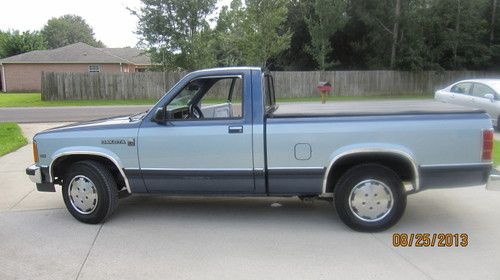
(324, 88)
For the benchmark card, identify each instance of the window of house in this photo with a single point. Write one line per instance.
(94, 68)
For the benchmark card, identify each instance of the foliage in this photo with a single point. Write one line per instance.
(328, 17)
(68, 29)
(176, 32)
(15, 42)
(264, 33)
(229, 46)
(299, 34)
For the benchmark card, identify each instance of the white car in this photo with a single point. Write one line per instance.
(477, 93)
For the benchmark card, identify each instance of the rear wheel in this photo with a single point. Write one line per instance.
(370, 197)
(90, 192)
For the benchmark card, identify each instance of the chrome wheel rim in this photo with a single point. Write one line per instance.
(83, 194)
(371, 200)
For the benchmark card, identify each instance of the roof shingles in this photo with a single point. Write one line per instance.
(82, 53)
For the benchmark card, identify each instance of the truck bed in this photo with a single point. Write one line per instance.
(371, 107)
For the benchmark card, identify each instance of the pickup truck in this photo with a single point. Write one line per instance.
(220, 132)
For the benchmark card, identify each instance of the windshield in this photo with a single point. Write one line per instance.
(496, 87)
(184, 98)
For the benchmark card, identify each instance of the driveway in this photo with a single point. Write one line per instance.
(162, 237)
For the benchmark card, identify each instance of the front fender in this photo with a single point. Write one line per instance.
(86, 150)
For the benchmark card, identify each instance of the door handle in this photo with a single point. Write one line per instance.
(235, 129)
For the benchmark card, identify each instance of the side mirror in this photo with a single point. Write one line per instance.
(160, 116)
(490, 97)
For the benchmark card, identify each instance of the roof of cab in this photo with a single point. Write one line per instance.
(229, 68)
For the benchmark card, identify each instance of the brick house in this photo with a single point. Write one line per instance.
(22, 73)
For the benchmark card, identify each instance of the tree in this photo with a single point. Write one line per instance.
(68, 29)
(229, 33)
(177, 32)
(459, 30)
(493, 22)
(15, 42)
(328, 17)
(264, 34)
(296, 57)
(395, 32)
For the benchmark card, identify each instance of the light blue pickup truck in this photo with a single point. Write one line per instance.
(219, 132)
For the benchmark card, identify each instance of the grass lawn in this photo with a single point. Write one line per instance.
(34, 100)
(11, 138)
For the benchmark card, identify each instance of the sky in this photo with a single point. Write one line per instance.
(112, 22)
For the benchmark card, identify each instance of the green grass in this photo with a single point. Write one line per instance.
(34, 100)
(11, 138)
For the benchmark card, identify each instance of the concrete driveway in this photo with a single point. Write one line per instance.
(226, 238)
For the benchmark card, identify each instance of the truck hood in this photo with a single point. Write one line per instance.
(107, 123)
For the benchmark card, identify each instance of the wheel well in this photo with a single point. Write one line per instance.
(399, 164)
(61, 165)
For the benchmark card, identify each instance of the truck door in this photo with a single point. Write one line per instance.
(205, 144)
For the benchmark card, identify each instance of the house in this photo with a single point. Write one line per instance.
(22, 73)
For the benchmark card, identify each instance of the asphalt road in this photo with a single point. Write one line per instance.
(66, 114)
(85, 113)
(159, 237)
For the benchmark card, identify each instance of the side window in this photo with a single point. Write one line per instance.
(480, 90)
(462, 88)
(208, 98)
(224, 99)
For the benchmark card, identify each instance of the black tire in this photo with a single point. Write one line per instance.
(364, 174)
(105, 191)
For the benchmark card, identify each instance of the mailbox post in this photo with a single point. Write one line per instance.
(324, 88)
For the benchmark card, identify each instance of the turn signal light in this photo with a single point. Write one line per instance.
(35, 152)
(487, 145)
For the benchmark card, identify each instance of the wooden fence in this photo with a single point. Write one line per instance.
(152, 85)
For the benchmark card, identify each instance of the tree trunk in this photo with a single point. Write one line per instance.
(493, 19)
(395, 32)
(457, 34)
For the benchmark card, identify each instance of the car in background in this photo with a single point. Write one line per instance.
(477, 93)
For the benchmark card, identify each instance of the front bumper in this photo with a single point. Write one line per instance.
(493, 182)
(34, 172)
(39, 175)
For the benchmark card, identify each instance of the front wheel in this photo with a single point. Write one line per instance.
(370, 197)
(89, 192)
